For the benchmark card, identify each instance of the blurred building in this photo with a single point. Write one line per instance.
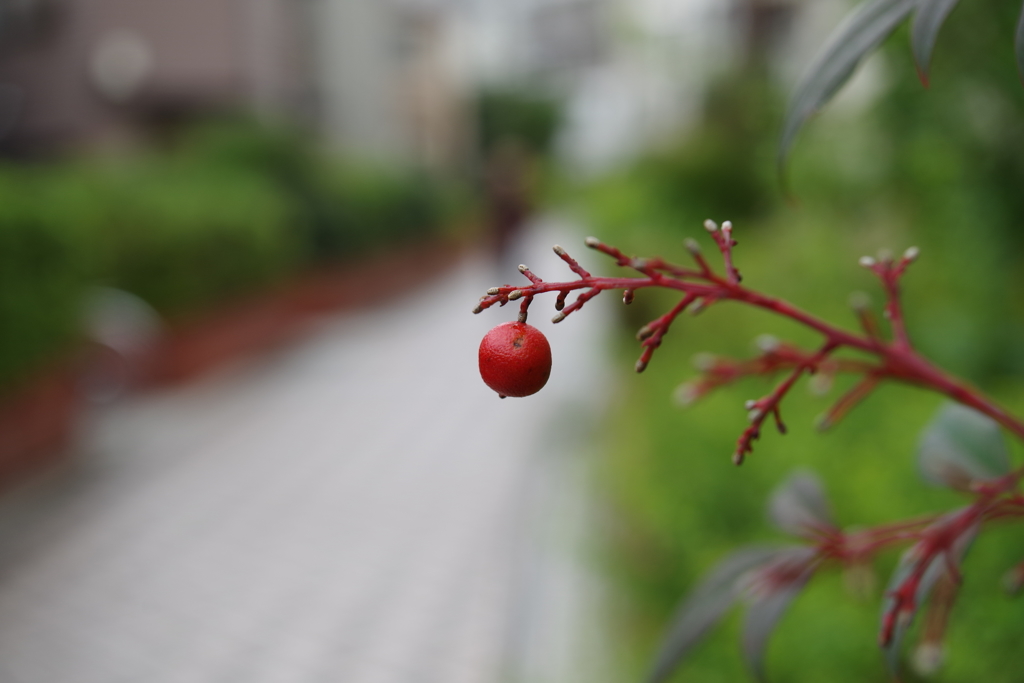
(376, 77)
(85, 73)
(389, 80)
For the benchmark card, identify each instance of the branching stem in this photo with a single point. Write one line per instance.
(936, 538)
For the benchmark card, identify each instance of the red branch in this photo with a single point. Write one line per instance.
(760, 408)
(650, 334)
(935, 538)
(895, 360)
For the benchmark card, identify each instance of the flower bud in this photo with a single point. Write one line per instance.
(767, 343)
(860, 301)
(928, 658)
(820, 384)
(1013, 580)
(687, 393)
(697, 307)
(704, 362)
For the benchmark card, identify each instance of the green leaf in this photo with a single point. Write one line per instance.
(798, 506)
(1019, 44)
(764, 613)
(961, 446)
(928, 19)
(859, 34)
(705, 606)
(938, 564)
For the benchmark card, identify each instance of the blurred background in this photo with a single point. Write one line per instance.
(242, 435)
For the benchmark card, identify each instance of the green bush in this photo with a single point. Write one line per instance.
(520, 114)
(675, 504)
(230, 210)
(940, 169)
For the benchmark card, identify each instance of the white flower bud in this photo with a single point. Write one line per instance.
(928, 658)
(820, 384)
(686, 394)
(860, 301)
(767, 343)
(704, 362)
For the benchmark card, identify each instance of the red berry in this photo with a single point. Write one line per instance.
(515, 359)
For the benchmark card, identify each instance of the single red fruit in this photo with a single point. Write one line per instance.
(515, 359)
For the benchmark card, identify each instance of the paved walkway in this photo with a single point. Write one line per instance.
(358, 508)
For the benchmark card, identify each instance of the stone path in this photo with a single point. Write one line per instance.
(358, 508)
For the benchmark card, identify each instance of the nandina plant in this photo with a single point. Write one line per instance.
(962, 449)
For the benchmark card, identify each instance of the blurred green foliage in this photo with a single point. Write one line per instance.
(230, 209)
(523, 115)
(676, 505)
(725, 169)
(941, 168)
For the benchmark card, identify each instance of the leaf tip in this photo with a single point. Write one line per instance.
(922, 75)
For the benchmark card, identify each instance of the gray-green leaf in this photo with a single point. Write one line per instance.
(961, 446)
(798, 506)
(928, 19)
(937, 566)
(1019, 44)
(859, 34)
(764, 614)
(705, 606)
